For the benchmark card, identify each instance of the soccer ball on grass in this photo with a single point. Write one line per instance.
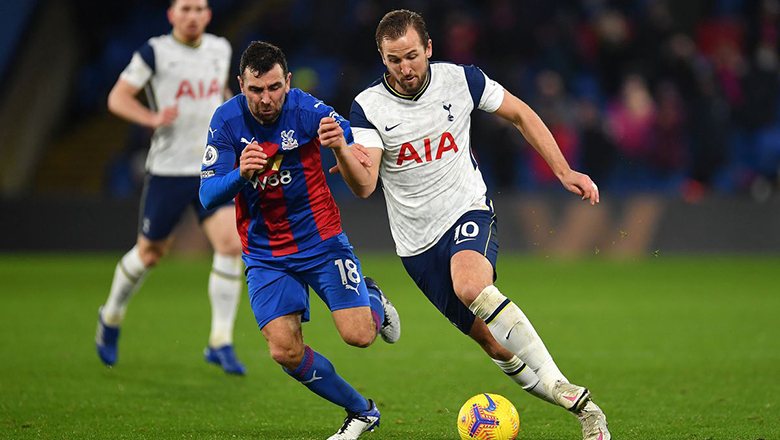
(488, 417)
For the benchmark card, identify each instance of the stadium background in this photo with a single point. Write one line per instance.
(671, 106)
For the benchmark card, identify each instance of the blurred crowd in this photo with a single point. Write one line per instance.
(670, 96)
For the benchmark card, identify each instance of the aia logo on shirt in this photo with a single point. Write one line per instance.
(198, 90)
(409, 153)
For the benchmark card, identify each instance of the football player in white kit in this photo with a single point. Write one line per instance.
(414, 126)
(185, 75)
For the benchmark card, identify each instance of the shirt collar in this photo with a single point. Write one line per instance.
(414, 97)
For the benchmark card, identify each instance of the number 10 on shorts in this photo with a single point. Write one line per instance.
(348, 270)
(466, 232)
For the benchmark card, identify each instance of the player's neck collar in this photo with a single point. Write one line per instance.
(184, 43)
(414, 97)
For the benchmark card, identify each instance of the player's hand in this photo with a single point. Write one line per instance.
(581, 185)
(360, 153)
(252, 160)
(331, 134)
(166, 116)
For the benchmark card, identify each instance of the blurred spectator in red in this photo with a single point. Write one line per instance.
(461, 39)
(722, 41)
(632, 120)
(632, 125)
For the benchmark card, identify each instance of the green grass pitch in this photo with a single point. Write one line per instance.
(672, 348)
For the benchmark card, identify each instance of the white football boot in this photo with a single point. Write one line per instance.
(356, 424)
(570, 396)
(594, 423)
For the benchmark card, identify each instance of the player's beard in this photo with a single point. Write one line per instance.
(420, 81)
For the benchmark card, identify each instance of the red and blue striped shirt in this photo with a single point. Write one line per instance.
(289, 207)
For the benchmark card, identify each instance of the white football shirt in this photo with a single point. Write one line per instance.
(194, 78)
(429, 175)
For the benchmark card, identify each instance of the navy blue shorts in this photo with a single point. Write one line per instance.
(163, 202)
(476, 231)
(279, 286)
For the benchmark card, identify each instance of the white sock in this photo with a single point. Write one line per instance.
(512, 329)
(128, 276)
(522, 374)
(224, 293)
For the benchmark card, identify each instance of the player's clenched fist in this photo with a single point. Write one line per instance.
(331, 134)
(252, 160)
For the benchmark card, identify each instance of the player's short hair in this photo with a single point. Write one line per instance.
(395, 24)
(261, 57)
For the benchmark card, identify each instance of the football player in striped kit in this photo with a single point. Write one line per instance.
(414, 124)
(264, 151)
(184, 75)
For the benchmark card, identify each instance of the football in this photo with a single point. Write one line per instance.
(488, 417)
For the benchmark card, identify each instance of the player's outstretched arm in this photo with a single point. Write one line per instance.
(359, 166)
(122, 102)
(538, 135)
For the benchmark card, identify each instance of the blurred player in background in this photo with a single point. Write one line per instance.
(185, 76)
(263, 150)
(414, 123)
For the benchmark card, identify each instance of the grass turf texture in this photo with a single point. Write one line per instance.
(672, 348)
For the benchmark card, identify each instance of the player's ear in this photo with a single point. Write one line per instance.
(170, 15)
(240, 83)
(287, 82)
(208, 16)
(429, 49)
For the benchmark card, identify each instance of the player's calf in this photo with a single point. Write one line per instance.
(356, 326)
(360, 339)
(512, 329)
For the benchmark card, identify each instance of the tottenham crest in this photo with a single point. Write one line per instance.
(210, 156)
(288, 140)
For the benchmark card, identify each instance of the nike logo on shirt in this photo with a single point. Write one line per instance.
(390, 128)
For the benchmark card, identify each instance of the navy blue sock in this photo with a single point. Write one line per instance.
(318, 374)
(377, 311)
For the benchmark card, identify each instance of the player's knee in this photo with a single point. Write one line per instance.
(468, 292)
(228, 246)
(233, 248)
(151, 255)
(288, 356)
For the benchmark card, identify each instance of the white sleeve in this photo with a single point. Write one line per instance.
(492, 97)
(367, 137)
(486, 94)
(137, 73)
